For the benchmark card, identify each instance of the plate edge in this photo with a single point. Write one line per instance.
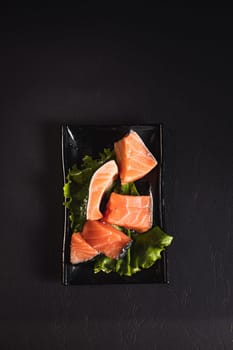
(65, 280)
(162, 200)
(64, 269)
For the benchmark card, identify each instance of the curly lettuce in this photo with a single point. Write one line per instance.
(144, 252)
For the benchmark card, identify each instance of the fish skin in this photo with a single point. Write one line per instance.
(105, 238)
(101, 180)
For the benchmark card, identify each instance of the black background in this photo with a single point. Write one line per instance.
(116, 65)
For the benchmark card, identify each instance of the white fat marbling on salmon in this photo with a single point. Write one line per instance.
(80, 250)
(133, 212)
(100, 182)
(133, 157)
(105, 238)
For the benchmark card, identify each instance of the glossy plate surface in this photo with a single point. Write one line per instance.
(78, 141)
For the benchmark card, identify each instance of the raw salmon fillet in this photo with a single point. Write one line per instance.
(80, 250)
(100, 182)
(133, 157)
(133, 212)
(105, 238)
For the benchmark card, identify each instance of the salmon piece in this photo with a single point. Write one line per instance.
(105, 238)
(133, 212)
(100, 182)
(80, 250)
(133, 157)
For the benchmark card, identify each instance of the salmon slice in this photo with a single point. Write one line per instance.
(100, 182)
(133, 212)
(133, 157)
(80, 250)
(105, 238)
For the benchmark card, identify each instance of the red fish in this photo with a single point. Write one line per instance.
(101, 180)
(80, 250)
(133, 157)
(105, 238)
(133, 212)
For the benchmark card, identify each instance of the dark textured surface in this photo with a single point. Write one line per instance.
(156, 65)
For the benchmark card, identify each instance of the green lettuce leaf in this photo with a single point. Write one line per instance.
(127, 189)
(105, 264)
(147, 248)
(144, 252)
(77, 186)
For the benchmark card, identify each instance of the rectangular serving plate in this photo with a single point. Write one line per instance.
(81, 140)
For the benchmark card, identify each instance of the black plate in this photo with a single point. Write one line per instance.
(77, 141)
